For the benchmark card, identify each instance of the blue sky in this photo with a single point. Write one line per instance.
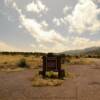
(49, 25)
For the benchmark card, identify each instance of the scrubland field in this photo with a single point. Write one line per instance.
(82, 81)
(14, 61)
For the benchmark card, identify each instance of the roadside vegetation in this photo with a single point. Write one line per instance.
(15, 60)
(22, 63)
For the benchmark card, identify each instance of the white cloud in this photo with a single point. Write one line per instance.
(43, 37)
(20, 26)
(72, 43)
(65, 9)
(80, 43)
(62, 20)
(4, 46)
(36, 30)
(84, 17)
(52, 41)
(36, 7)
(8, 2)
(7, 47)
(45, 48)
(44, 23)
(56, 21)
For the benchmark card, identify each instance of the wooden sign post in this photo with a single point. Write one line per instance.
(52, 62)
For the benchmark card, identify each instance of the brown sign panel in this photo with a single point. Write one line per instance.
(51, 63)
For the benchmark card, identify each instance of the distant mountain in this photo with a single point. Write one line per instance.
(87, 51)
(92, 51)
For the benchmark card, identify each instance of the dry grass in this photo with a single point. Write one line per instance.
(81, 61)
(70, 75)
(10, 61)
(39, 82)
(12, 70)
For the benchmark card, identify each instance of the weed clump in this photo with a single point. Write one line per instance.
(22, 63)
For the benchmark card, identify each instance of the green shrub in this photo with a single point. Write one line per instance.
(22, 63)
(52, 74)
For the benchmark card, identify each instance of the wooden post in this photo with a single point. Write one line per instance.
(44, 66)
(59, 66)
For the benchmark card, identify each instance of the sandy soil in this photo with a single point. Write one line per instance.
(84, 86)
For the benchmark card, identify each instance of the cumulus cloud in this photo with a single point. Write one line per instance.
(8, 2)
(44, 23)
(44, 38)
(36, 30)
(72, 43)
(36, 7)
(80, 43)
(56, 21)
(65, 9)
(84, 17)
(45, 48)
(7, 47)
(11, 48)
(61, 20)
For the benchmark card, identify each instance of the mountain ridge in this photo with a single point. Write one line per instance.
(88, 51)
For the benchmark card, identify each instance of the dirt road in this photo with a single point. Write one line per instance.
(84, 86)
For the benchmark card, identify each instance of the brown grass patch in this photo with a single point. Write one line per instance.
(39, 82)
(9, 61)
(70, 75)
(12, 70)
(81, 61)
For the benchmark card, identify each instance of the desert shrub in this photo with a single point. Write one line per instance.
(5, 62)
(52, 74)
(22, 63)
